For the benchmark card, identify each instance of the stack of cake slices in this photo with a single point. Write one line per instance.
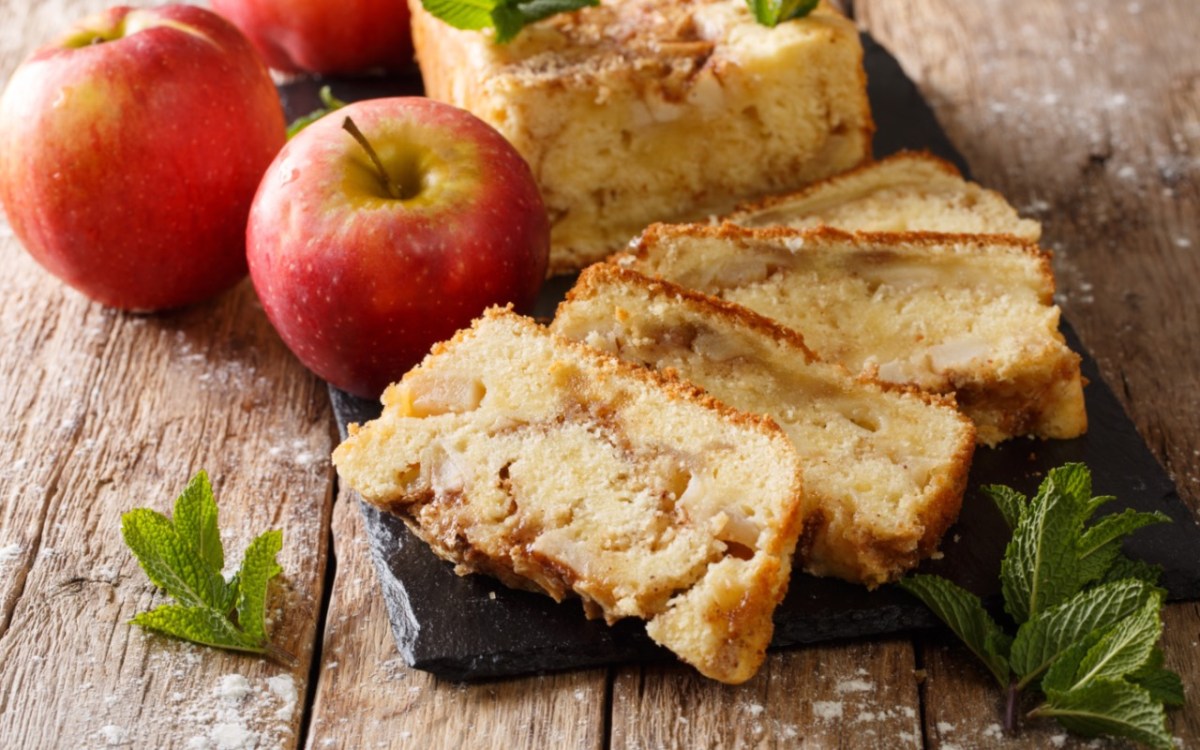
(806, 377)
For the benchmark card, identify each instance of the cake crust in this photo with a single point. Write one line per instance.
(910, 191)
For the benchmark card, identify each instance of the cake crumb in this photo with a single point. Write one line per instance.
(828, 710)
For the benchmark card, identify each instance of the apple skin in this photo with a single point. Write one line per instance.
(325, 36)
(359, 284)
(127, 166)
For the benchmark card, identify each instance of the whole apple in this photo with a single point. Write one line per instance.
(361, 276)
(130, 151)
(325, 36)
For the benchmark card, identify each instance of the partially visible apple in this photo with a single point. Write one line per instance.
(130, 151)
(325, 36)
(360, 278)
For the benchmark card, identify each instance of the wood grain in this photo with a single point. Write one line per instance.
(1087, 116)
(859, 694)
(367, 697)
(101, 412)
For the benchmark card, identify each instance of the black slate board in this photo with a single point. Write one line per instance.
(474, 628)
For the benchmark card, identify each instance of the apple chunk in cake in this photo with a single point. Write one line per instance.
(557, 468)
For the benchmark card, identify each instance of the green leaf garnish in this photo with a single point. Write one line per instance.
(331, 103)
(1088, 618)
(774, 12)
(184, 558)
(964, 614)
(507, 17)
(1110, 706)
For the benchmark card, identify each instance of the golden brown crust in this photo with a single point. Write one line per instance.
(770, 201)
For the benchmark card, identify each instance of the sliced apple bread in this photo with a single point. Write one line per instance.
(907, 192)
(636, 111)
(971, 315)
(885, 468)
(558, 468)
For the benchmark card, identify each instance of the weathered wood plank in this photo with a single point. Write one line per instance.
(367, 697)
(857, 694)
(1087, 116)
(101, 412)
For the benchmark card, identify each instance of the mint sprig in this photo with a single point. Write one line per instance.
(774, 12)
(1088, 618)
(507, 17)
(184, 557)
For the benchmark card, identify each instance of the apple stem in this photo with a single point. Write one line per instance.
(391, 187)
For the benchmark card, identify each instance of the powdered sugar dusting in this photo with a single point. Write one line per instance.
(828, 710)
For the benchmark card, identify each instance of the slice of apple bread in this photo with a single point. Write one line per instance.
(884, 468)
(558, 468)
(972, 315)
(906, 192)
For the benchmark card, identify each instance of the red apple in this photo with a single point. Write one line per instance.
(130, 151)
(360, 283)
(325, 36)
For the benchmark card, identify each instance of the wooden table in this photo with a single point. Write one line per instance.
(1086, 115)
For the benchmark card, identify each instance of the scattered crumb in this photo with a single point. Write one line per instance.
(755, 709)
(1058, 740)
(993, 731)
(944, 726)
(10, 552)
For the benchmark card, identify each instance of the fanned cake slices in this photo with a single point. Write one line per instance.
(907, 192)
(971, 315)
(558, 468)
(884, 468)
(635, 111)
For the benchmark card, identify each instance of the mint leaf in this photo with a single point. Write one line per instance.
(1163, 685)
(202, 625)
(774, 12)
(1110, 706)
(1100, 545)
(170, 562)
(1045, 636)
(964, 614)
(1008, 501)
(330, 102)
(184, 558)
(258, 568)
(471, 15)
(1126, 647)
(195, 519)
(507, 17)
(1039, 570)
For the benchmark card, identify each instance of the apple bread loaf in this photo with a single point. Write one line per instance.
(971, 315)
(884, 468)
(558, 468)
(907, 192)
(637, 111)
